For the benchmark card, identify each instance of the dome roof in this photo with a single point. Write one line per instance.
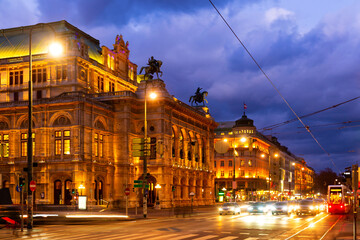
(244, 121)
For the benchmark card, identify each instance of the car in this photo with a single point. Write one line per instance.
(322, 204)
(306, 207)
(269, 205)
(230, 207)
(257, 207)
(281, 208)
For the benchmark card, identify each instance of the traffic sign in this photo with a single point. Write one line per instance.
(138, 181)
(192, 194)
(32, 185)
(140, 186)
(127, 191)
(18, 188)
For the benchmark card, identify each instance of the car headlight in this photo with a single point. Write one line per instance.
(311, 207)
(220, 209)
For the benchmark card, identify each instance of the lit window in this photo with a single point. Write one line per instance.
(24, 144)
(62, 142)
(5, 147)
(222, 173)
(98, 145)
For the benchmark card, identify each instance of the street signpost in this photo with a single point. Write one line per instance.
(32, 185)
(140, 147)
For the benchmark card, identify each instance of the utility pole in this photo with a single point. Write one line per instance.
(355, 182)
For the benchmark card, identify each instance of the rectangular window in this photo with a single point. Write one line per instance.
(215, 164)
(16, 77)
(230, 163)
(62, 142)
(230, 173)
(58, 72)
(23, 148)
(222, 173)
(222, 164)
(24, 144)
(242, 173)
(152, 148)
(66, 146)
(58, 147)
(11, 78)
(16, 96)
(5, 148)
(44, 78)
(39, 94)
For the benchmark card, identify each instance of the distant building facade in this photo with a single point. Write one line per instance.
(88, 108)
(254, 166)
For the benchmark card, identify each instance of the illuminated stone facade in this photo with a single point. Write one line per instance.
(88, 106)
(257, 159)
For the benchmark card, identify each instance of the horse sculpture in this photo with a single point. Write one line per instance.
(199, 97)
(154, 67)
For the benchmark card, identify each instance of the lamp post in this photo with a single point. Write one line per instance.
(158, 187)
(55, 50)
(146, 150)
(301, 177)
(81, 187)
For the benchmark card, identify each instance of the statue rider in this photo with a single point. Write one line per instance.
(154, 63)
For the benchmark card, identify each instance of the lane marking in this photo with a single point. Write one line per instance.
(228, 238)
(331, 227)
(184, 236)
(207, 237)
(311, 224)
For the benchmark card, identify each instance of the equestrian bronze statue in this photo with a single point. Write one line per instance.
(198, 98)
(153, 67)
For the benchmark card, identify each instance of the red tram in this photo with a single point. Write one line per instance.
(339, 199)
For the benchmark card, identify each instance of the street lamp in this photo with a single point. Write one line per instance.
(301, 177)
(56, 50)
(81, 187)
(146, 150)
(158, 187)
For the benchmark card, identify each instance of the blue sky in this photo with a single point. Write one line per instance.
(309, 49)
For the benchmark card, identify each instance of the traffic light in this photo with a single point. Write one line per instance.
(73, 191)
(173, 188)
(21, 181)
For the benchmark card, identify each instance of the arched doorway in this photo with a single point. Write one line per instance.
(57, 192)
(98, 191)
(68, 188)
(152, 193)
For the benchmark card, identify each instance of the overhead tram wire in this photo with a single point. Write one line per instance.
(304, 116)
(266, 76)
(326, 129)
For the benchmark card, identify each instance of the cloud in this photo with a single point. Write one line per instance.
(19, 13)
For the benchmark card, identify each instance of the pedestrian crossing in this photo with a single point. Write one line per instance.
(154, 235)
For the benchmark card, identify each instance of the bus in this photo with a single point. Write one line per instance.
(339, 199)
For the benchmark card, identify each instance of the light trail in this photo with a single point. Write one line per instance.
(309, 226)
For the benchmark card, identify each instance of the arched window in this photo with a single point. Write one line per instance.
(181, 145)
